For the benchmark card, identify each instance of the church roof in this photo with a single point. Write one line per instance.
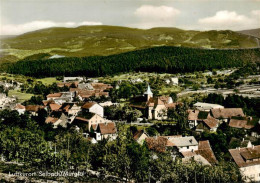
(148, 91)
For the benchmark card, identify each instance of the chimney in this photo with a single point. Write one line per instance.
(243, 140)
(239, 148)
(253, 147)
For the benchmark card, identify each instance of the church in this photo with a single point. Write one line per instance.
(152, 107)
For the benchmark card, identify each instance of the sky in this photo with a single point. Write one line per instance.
(20, 16)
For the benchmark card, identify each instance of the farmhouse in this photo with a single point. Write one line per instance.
(248, 161)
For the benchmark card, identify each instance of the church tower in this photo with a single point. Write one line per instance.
(148, 93)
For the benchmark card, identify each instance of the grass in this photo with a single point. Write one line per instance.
(21, 97)
(23, 79)
(48, 81)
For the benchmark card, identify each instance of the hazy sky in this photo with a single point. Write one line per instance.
(19, 16)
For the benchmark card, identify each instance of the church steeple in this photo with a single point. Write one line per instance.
(148, 92)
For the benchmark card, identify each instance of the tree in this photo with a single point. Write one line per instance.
(174, 97)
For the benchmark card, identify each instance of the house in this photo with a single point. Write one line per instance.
(20, 108)
(243, 122)
(195, 157)
(93, 107)
(224, 115)
(68, 84)
(208, 124)
(33, 109)
(108, 103)
(53, 96)
(204, 149)
(140, 137)
(54, 107)
(206, 106)
(248, 161)
(60, 98)
(86, 120)
(106, 130)
(70, 108)
(183, 144)
(203, 155)
(79, 79)
(60, 120)
(5, 101)
(255, 131)
(153, 107)
(194, 116)
(174, 81)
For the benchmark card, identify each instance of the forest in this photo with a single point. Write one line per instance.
(158, 59)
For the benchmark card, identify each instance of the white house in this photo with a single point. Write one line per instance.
(93, 107)
(20, 108)
(175, 81)
(188, 143)
(248, 161)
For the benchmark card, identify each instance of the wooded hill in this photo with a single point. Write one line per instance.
(108, 40)
(158, 59)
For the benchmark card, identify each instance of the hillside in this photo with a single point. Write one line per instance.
(251, 32)
(108, 40)
(157, 59)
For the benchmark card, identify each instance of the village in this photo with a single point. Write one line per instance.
(87, 107)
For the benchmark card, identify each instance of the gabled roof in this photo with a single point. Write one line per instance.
(184, 141)
(67, 106)
(148, 91)
(88, 105)
(54, 95)
(107, 128)
(241, 155)
(241, 123)
(47, 102)
(193, 114)
(205, 150)
(19, 106)
(227, 112)
(55, 107)
(86, 117)
(51, 119)
(138, 134)
(211, 122)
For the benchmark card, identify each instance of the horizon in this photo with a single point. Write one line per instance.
(18, 17)
(6, 35)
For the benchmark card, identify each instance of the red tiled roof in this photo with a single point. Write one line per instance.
(47, 102)
(55, 107)
(227, 112)
(211, 122)
(51, 120)
(107, 128)
(240, 123)
(88, 105)
(188, 154)
(205, 151)
(19, 106)
(240, 156)
(54, 95)
(193, 114)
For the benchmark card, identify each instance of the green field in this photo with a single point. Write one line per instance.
(20, 96)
